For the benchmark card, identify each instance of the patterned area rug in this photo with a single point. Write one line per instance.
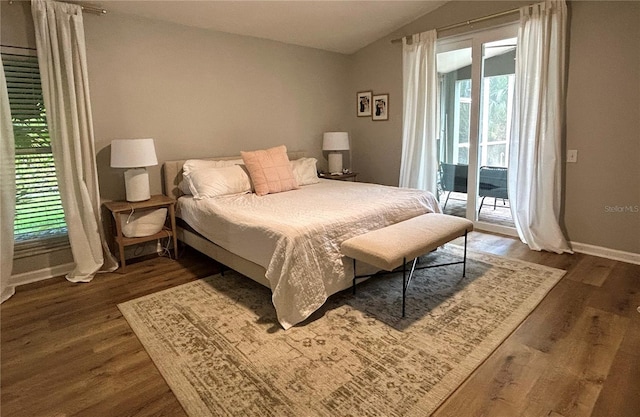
(217, 342)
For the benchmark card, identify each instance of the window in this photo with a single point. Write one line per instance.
(461, 121)
(497, 101)
(39, 214)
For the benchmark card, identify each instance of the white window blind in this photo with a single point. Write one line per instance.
(39, 213)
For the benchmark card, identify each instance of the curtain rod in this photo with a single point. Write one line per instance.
(85, 8)
(466, 22)
(92, 9)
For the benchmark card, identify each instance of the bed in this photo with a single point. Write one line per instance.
(290, 241)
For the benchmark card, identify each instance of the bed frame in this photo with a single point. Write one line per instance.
(171, 178)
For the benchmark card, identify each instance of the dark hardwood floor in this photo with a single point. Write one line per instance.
(67, 350)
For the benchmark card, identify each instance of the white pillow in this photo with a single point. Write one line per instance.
(195, 164)
(191, 165)
(213, 182)
(305, 171)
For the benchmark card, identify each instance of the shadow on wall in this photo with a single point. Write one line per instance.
(109, 178)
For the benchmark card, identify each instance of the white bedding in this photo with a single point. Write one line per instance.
(296, 235)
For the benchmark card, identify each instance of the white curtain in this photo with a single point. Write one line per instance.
(535, 160)
(7, 191)
(419, 164)
(65, 85)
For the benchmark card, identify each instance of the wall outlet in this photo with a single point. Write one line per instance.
(572, 155)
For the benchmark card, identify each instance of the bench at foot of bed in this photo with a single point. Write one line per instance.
(393, 246)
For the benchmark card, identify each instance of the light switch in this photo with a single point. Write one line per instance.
(572, 155)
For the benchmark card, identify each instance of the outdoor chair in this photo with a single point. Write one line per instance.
(453, 178)
(493, 183)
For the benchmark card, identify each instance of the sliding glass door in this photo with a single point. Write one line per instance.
(476, 80)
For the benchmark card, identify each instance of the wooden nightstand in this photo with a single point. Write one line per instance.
(340, 177)
(124, 207)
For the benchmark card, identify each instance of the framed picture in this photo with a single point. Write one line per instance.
(364, 104)
(380, 107)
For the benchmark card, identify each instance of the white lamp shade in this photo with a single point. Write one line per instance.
(138, 154)
(133, 153)
(335, 141)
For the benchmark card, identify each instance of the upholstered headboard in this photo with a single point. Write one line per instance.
(172, 171)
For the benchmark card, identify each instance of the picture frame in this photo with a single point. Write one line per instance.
(363, 104)
(380, 107)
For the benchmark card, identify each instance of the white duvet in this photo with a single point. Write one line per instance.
(296, 235)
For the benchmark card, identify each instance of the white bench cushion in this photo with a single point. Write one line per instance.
(386, 248)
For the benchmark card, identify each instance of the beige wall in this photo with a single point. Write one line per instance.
(199, 93)
(603, 124)
(603, 115)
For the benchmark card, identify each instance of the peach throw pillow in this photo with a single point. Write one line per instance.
(270, 170)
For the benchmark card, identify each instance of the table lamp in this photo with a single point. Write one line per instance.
(136, 154)
(335, 142)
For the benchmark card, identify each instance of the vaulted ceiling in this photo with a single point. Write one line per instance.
(337, 26)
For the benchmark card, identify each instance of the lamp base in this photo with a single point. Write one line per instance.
(335, 162)
(136, 182)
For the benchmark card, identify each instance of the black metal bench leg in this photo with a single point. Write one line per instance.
(354, 277)
(464, 260)
(404, 284)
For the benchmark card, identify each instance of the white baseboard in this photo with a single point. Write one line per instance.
(58, 270)
(42, 274)
(616, 255)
